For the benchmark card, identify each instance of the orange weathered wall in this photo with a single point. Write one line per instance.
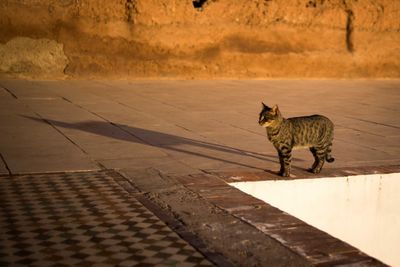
(223, 39)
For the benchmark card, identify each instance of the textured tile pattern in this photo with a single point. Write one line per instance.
(83, 219)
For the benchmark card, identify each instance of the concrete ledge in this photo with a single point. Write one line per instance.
(317, 247)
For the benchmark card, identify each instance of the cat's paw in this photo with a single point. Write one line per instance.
(314, 171)
(284, 174)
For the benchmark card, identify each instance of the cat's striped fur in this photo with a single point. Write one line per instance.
(314, 132)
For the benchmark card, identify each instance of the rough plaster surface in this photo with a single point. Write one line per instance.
(29, 57)
(220, 39)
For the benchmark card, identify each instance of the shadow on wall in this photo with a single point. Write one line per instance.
(159, 139)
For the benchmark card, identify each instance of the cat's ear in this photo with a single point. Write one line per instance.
(263, 105)
(275, 109)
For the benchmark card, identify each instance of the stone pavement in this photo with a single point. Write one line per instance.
(154, 130)
(185, 127)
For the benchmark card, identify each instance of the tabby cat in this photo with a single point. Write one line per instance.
(314, 132)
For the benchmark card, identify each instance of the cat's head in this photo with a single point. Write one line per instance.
(269, 115)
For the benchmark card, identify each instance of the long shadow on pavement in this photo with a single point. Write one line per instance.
(157, 139)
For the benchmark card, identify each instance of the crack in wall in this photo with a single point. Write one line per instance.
(349, 25)
(130, 10)
(350, 30)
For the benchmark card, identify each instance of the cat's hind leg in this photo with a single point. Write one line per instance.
(319, 159)
(328, 156)
(313, 152)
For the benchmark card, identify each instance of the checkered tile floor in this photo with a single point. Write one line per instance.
(83, 219)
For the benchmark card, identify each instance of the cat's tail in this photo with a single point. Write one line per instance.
(328, 156)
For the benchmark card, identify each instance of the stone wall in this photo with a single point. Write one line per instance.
(200, 39)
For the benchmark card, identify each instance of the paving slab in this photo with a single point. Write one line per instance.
(163, 165)
(26, 89)
(29, 146)
(3, 166)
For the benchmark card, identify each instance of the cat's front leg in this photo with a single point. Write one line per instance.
(285, 159)
(282, 165)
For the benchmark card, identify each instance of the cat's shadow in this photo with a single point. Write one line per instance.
(162, 140)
